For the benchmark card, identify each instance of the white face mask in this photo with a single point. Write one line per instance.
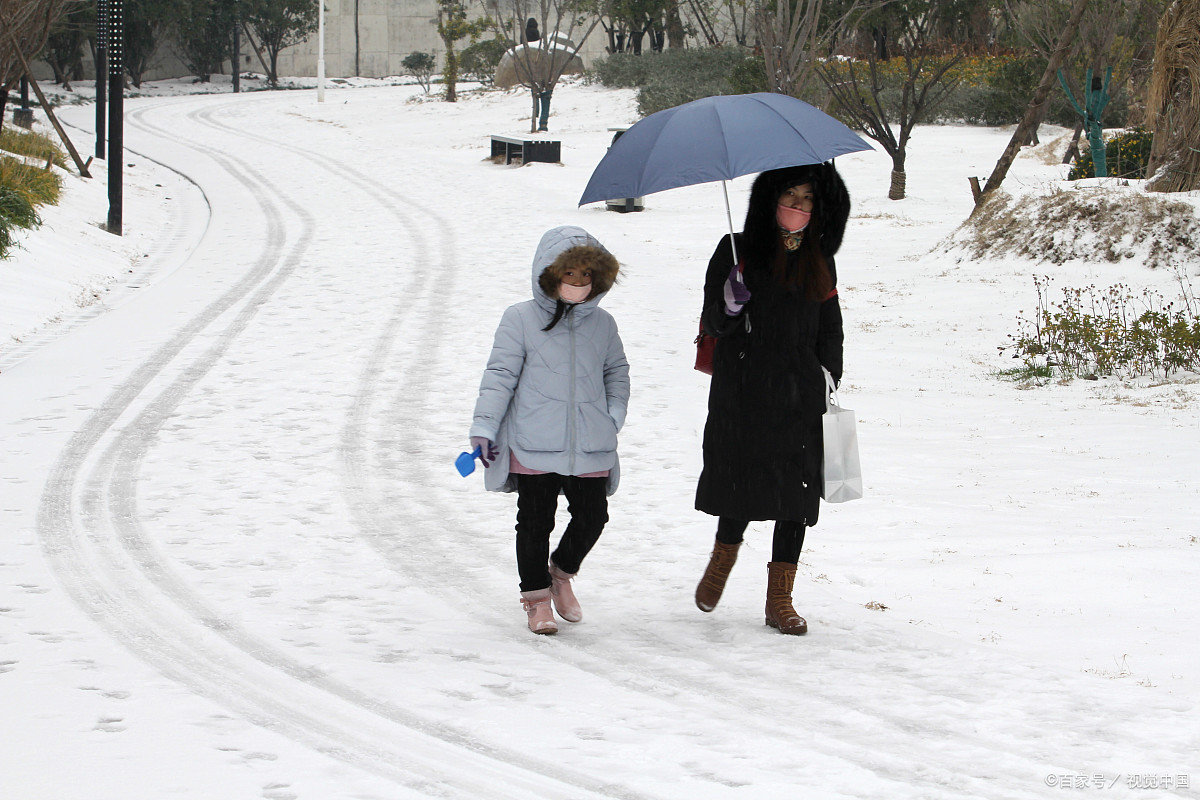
(573, 294)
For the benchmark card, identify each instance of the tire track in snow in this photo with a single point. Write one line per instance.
(420, 293)
(112, 570)
(618, 661)
(930, 759)
(411, 365)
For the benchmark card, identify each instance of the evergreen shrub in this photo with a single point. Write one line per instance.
(1126, 154)
(676, 76)
(421, 66)
(478, 60)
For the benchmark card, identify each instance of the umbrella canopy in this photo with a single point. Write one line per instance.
(715, 139)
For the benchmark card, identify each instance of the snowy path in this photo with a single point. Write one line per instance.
(261, 513)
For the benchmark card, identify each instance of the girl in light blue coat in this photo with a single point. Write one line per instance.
(552, 400)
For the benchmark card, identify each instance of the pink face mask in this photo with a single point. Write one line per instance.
(792, 219)
(573, 294)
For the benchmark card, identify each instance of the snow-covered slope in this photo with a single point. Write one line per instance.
(238, 562)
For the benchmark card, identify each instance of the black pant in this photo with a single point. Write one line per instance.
(785, 546)
(537, 502)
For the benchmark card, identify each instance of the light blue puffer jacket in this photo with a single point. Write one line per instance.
(556, 398)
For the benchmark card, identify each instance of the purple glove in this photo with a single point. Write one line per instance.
(487, 450)
(736, 293)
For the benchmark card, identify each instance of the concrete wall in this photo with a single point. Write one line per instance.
(387, 32)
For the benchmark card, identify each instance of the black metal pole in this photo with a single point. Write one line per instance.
(116, 113)
(236, 57)
(23, 115)
(101, 74)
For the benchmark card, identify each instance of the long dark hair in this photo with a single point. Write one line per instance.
(807, 268)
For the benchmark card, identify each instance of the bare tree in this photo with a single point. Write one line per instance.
(628, 23)
(1066, 38)
(541, 63)
(741, 19)
(787, 33)
(25, 26)
(1115, 33)
(279, 24)
(64, 46)
(927, 80)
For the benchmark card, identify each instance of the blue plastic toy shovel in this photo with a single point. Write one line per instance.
(465, 463)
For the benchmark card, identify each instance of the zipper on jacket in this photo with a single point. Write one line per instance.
(571, 400)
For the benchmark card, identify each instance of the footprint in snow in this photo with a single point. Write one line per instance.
(110, 724)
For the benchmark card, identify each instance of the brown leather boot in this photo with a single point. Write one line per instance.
(715, 575)
(780, 614)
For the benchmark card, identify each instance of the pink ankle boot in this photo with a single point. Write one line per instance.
(537, 608)
(565, 602)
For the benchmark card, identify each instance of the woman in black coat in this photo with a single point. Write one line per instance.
(777, 322)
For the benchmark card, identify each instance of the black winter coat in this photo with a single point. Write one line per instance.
(762, 440)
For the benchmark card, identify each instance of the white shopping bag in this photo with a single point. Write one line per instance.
(842, 472)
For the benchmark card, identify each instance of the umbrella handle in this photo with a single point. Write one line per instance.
(729, 217)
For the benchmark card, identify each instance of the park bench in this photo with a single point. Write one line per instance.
(525, 150)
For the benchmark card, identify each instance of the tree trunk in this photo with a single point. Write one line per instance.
(450, 73)
(676, 35)
(544, 119)
(896, 190)
(1033, 139)
(1073, 147)
(1021, 134)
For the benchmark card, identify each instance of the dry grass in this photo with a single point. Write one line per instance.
(35, 145)
(1173, 101)
(39, 186)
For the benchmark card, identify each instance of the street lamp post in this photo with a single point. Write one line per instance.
(101, 74)
(321, 51)
(236, 58)
(116, 113)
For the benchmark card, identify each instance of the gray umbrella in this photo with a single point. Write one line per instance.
(718, 139)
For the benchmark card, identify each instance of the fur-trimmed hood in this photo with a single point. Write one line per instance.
(554, 243)
(831, 207)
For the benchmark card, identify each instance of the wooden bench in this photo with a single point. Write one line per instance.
(526, 150)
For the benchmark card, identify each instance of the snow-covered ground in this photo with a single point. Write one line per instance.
(237, 560)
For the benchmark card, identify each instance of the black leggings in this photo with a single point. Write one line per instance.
(537, 502)
(785, 546)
